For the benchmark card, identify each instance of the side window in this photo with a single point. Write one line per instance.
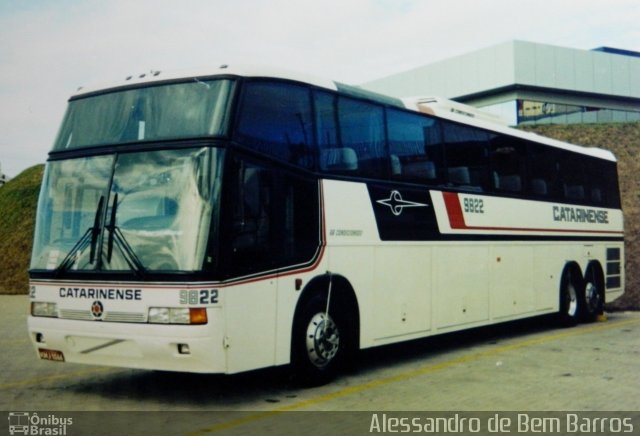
(271, 219)
(276, 119)
(361, 130)
(466, 156)
(544, 171)
(572, 177)
(572, 174)
(415, 147)
(602, 183)
(250, 226)
(611, 190)
(326, 120)
(508, 159)
(299, 219)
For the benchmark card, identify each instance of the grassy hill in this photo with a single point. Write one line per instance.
(18, 201)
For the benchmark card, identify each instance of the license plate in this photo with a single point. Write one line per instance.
(54, 355)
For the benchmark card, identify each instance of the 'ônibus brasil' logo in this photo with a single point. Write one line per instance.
(30, 423)
(97, 309)
(397, 204)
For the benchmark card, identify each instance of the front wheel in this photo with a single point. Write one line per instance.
(320, 342)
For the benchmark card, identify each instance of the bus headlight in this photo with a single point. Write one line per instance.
(159, 315)
(41, 308)
(177, 315)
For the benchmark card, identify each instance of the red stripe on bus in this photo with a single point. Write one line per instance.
(454, 210)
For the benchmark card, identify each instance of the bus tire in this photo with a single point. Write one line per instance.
(319, 342)
(593, 303)
(571, 296)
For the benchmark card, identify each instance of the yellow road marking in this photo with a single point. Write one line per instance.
(428, 369)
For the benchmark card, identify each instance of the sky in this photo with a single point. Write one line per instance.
(49, 48)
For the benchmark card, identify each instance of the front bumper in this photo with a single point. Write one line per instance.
(131, 345)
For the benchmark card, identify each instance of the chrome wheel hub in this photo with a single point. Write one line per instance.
(322, 339)
(572, 300)
(592, 296)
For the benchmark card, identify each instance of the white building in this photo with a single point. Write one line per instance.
(530, 83)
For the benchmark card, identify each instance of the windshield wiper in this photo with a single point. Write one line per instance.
(115, 235)
(95, 230)
(111, 227)
(90, 237)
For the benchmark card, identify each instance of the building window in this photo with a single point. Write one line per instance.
(516, 112)
(539, 112)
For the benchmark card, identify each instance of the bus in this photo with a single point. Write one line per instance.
(239, 218)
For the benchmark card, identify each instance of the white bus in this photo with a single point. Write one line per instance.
(237, 219)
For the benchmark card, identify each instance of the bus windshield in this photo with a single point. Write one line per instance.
(132, 212)
(182, 110)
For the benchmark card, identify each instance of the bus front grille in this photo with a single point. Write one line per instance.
(85, 315)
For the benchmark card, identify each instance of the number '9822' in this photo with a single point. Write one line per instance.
(202, 296)
(473, 205)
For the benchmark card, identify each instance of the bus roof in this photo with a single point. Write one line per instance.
(461, 113)
(454, 111)
(156, 76)
(239, 70)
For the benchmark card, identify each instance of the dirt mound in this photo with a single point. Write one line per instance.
(18, 200)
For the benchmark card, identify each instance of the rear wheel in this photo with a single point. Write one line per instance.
(320, 342)
(593, 294)
(571, 297)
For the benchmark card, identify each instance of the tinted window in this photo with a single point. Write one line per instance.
(326, 120)
(415, 146)
(508, 158)
(561, 175)
(272, 219)
(544, 170)
(572, 174)
(276, 119)
(182, 110)
(361, 129)
(466, 156)
(602, 183)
